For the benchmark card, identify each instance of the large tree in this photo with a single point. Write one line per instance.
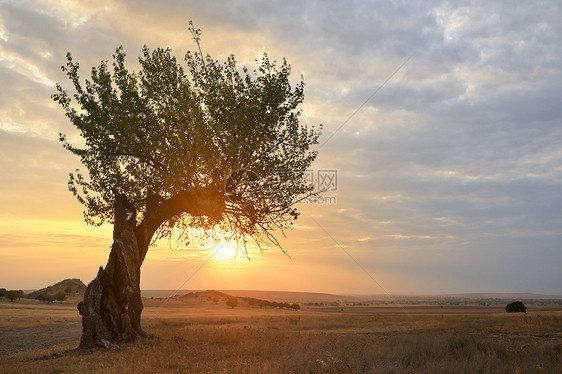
(213, 147)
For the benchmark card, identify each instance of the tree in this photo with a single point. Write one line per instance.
(212, 147)
(20, 294)
(45, 298)
(2, 293)
(516, 307)
(232, 302)
(11, 295)
(60, 296)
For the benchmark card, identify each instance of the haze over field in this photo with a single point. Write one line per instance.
(442, 120)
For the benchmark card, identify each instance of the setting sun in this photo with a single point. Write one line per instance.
(228, 250)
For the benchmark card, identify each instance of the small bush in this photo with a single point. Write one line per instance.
(232, 302)
(516, 307)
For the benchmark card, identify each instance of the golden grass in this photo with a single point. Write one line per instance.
(29, 313)
(214, 339)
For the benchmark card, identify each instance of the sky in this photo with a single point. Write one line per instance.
(442, 126)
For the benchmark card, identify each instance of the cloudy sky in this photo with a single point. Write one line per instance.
(442, 119)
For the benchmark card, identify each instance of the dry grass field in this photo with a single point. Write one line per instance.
(203, 337)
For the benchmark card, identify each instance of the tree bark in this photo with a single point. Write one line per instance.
(112, 303)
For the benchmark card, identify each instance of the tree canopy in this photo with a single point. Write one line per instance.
(217, 142)
(60, 296)
(516, 307)
(12, 295)
(45, 298)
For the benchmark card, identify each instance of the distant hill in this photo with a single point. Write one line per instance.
(202, 295)
(307, 297)
(76, 286)
(293, 297)
(280, 296)
(217, 297)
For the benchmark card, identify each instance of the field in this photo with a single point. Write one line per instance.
(202, 336)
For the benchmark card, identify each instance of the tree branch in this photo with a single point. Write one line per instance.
(197, 201)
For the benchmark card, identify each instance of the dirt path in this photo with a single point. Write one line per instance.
(14, 340)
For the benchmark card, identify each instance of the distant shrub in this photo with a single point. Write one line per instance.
(67, 290)
(264, 303)
(232, 302)
(516, 307)
(2, 293)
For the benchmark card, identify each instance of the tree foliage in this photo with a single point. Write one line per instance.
(2, 293)
(45, 298)
(60, 296)
(516, 307)
(12, 295)
(168, 130)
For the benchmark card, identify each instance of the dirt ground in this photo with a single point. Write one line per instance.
(26, 325)
(14, 340)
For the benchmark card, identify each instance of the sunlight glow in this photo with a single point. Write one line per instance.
(216, 246)
(230, 253)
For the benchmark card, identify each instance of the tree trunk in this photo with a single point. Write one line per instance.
(112, 303)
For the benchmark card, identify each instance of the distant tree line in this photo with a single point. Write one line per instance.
(11, 294)
(330, 303)
(45, 298)
(269, 304)
(232, 301)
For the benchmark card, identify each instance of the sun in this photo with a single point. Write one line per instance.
(231, 250)
(216, 246)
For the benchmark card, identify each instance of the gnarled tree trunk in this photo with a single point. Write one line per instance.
(112, 303)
